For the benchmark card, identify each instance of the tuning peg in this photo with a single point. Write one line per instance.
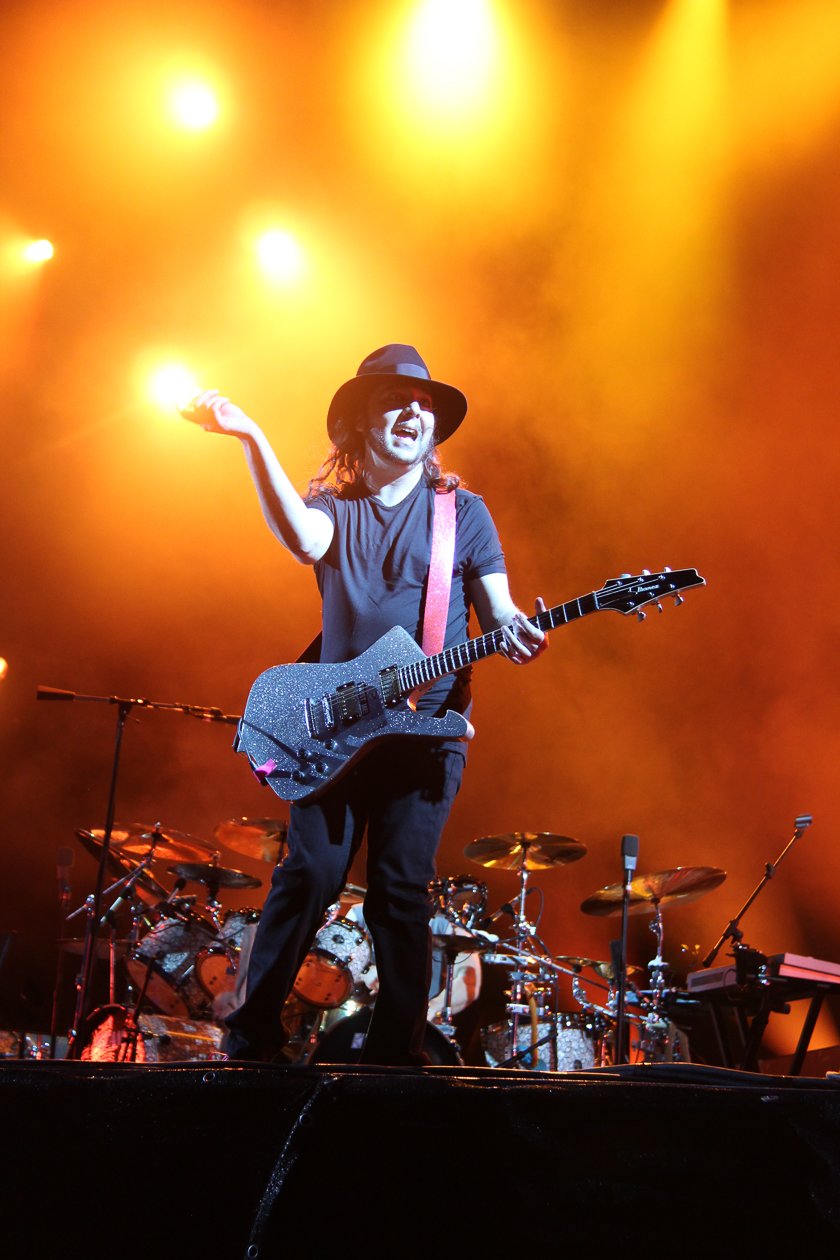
(645, 572)
(659, 607)
(641, 614)
(667, 569)
(678, 599)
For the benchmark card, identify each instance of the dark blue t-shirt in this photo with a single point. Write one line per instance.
(374, 575)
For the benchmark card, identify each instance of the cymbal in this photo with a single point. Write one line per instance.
(263, 838)
(214, 876)
(76, 945)
(683, 883)
(351, 895)
(604, 970)
(148, 888)
(533, 850)
(139, 838)
(457, 943)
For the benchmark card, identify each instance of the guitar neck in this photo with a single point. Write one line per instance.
(450, 660)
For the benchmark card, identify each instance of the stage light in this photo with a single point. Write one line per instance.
(194, 105)
(171, 386)
(37, 251)
(4, 668)
(451, 49)
(280, 255)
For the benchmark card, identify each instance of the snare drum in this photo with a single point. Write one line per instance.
(569, 1042)
(171, 949)
(340, 956)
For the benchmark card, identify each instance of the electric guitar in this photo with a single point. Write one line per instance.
(304, 726)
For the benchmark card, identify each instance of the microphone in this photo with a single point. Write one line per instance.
(108, 916)
(629, 852)
(506, 908)
(53, 693)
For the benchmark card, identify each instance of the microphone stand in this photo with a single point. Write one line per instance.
(732, 931)
(630, 854)
(124, 707)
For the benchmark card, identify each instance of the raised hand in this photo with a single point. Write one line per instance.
(216, 414)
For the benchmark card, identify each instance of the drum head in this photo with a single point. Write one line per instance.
(345, 1041)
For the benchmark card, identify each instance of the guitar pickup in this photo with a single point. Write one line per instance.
(320, 718)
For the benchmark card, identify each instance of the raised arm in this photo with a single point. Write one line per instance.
(305, 532)
(490, 596)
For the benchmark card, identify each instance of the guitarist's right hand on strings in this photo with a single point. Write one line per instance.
(216, 414)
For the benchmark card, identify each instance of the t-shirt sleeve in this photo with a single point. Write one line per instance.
(324, 502)
(479, 548)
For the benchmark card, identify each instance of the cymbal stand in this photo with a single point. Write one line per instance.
(655, 1022)
(124, 706)
(521, 1005)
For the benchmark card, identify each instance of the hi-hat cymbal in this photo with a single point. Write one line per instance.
(351, 895)
(214, 876)
(605, 970)
(683, 883)
(138, 839)
(263, 838)
(533, 850)
(455, 943)
(76, 945)
(148, 888)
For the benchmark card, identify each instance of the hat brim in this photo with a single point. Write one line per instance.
(450, 405)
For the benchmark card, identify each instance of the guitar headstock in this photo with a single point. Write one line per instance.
(626, 594)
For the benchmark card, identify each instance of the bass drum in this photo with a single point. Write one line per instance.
(344, 1043)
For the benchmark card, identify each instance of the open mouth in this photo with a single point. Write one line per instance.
(402, 430)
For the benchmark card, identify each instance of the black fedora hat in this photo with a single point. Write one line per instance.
(394, 363)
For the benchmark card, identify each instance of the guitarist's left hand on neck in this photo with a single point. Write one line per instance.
(524, 641)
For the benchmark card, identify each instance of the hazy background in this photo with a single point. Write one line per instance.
(616, 228)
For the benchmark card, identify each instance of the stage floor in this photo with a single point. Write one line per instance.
(222, 1160)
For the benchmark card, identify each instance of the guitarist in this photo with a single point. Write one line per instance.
(366, 528)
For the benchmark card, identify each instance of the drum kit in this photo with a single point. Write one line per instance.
(175, 958)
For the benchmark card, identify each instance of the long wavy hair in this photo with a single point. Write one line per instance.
(342, 471)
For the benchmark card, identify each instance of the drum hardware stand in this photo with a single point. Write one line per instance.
(630, 854)
(65, 862)
(124, 707)
(732, 931)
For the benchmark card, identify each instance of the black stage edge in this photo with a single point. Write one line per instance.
(218, 1161)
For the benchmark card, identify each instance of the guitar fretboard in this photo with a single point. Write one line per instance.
(450, 660)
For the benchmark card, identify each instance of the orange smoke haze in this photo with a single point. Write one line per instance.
(620, 242)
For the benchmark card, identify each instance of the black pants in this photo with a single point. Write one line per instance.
(402, 793)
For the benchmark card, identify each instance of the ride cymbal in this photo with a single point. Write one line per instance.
(138, 839)
(214, 876)
(262, 838)
(533, 850)
(647, 892)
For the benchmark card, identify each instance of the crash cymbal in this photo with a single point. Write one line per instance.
(149, 890)
(605, 970)
(214, 876)
(533, 850)
(263, 838)
(352, 895)
(683, 883)
(139, 838)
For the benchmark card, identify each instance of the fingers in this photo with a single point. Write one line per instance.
(523, 641)
(214, 413)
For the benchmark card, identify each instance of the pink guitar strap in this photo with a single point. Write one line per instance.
(439, 582)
